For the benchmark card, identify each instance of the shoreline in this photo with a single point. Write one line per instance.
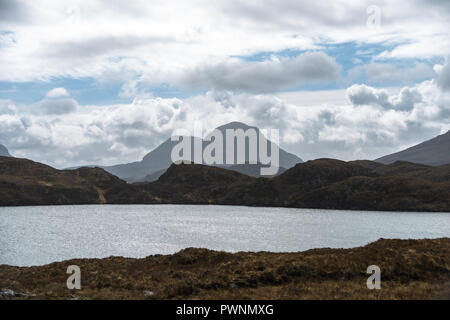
(212, 250)
(215, 204)
(410, 269)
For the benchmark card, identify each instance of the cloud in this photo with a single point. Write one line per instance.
(266, 76)
(57, 92)
(374, 122)
(160, 41)
(60, 107)
(388, 72)
(444, 76)
(102, 46)
(7, 107)
(132, 89)
(12, 11)
(365, 95)
(420, 48)
(406, 99)
(391, 73)
(210, 46)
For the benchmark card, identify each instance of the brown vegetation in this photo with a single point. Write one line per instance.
(410, 269)
(322, 183)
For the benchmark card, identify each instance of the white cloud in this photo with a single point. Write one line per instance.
(388, 72)
(376, 73)
(58, 106)
(365, 95)
(266, 76)
(377, 122)
(444, 75)
(406, 99)
(423, 46)
(200, 44)
(164, 40)
(57, 92)
(316, 97)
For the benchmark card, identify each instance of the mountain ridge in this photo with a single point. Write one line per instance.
(321, 184)
(151, 165)
(433, 152)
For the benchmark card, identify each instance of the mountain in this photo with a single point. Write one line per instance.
(434, 152)
(157, 161)
(153, 176)
(321, 184)
(4, 152)
(287, 160)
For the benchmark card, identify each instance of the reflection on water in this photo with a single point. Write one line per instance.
(40, 235)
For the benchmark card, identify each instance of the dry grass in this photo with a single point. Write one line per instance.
(410, 269)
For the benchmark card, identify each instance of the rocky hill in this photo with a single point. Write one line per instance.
(25, 182)
(322, 183)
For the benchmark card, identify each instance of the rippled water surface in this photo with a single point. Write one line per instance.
(40, 235)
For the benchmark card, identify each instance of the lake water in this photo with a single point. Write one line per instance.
(40, 235)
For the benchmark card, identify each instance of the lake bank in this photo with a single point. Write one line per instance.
(410, 269)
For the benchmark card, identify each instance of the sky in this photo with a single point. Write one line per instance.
(104, 82)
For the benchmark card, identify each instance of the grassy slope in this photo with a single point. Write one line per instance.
(25, 182)
(410, 269)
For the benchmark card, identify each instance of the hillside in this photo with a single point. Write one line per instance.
(25, 182)
(394, 193)
(411, 269)
(322, 183)
(433, 152)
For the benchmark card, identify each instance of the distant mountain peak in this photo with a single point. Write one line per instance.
(4, 152)
(159, 159)
(236, 125)
(433, 152)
